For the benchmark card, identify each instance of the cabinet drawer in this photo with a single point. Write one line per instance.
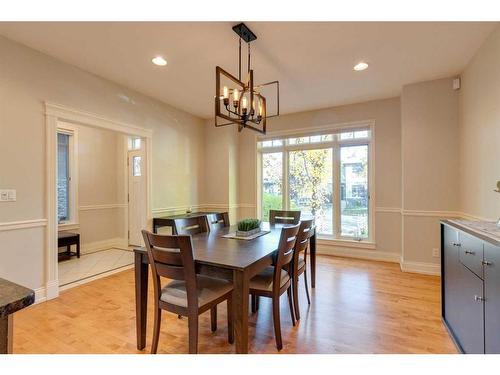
(471, 253)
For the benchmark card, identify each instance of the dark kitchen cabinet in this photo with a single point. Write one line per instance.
(470, 287)
(492, 298)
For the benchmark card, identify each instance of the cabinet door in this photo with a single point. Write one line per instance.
(469, 328)
(492, 295)
(451, 271)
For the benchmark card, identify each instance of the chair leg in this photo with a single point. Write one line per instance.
(295, 288)
(257, 302)
(213, 318)
(307, 288)
(254, 303)
(290, 303)
(277, 323)
(230, 321)
(193, 334)
(156, 331)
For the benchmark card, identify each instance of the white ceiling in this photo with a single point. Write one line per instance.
(312, 61)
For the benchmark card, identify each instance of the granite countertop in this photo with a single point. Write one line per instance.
(486, 230)
(14, 297)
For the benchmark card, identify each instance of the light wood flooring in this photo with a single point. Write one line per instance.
(357, 307)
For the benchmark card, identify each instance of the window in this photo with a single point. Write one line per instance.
(63, 177)
(136, 166)
(325, 176)
(134, 143)
(66, 170)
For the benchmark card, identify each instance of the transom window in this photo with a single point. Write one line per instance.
(325, 175)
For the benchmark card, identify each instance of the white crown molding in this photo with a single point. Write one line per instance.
(421, 267)
(24, 224)
(102, 206)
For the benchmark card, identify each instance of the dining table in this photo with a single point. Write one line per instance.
(236, 260)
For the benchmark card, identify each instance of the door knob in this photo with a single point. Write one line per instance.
(479, 298)
(486, 263)
(469, 252)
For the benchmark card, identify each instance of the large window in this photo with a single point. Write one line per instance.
(326, 176)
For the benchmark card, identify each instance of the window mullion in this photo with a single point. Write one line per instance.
(337, 190)
(285, 199)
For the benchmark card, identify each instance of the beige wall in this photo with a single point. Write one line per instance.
(429, 123)
(479, 112)
(27, 79)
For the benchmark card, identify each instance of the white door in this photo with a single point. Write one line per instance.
(136, 196)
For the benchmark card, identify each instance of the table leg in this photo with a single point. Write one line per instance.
(141, 299)
(6, 324)
(312, 252)
(240, 310)
(78, 248)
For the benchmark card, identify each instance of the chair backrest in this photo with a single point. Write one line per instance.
(191, 225)
(305, 232)
(284, 217)
(218, 220)
(171, 257)
(285, 253)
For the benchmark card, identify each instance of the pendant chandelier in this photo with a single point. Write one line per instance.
(238, 102)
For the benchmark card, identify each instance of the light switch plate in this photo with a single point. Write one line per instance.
(8, 195)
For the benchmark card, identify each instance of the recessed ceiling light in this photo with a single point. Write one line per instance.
(158, 60)
(360, 66)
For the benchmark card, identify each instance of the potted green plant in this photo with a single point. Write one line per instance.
(248, 227)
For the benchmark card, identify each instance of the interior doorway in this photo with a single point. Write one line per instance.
(90, 194)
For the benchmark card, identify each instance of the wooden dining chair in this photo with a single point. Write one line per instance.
(299, 262)
(191, 225)
(187, 294)
(273, 281)
(284, 217)
(218, 220)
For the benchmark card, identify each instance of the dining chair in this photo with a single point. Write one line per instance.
(299, 262)
(191, 225)
(218, 220)
(275, 280)
(284, 217)
(187, 294)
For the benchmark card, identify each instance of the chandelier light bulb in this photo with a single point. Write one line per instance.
(226, 93)
(236, 94)
(244, 102)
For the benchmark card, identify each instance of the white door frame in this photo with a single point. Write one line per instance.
(53, 114)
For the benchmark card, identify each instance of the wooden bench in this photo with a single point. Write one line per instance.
(66, 239)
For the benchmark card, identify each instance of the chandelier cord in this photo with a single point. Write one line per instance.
(239, 61)
(248, 57)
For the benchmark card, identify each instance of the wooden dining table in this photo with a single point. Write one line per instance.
(228, 258)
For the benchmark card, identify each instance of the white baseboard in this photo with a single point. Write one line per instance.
(92, 247)
(49, 291)
(380, 256)
(421, 267)
(40, 295)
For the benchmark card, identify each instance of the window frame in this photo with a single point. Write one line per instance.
(72, 131)
(335, 144)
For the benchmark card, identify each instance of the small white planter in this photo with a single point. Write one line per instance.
(247, 233)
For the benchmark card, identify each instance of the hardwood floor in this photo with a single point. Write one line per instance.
(358, 307)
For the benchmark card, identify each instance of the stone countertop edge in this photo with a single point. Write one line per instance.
(14, 297)
(480, 234)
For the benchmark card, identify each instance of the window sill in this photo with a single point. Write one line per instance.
(68, 226)
(330, 241)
